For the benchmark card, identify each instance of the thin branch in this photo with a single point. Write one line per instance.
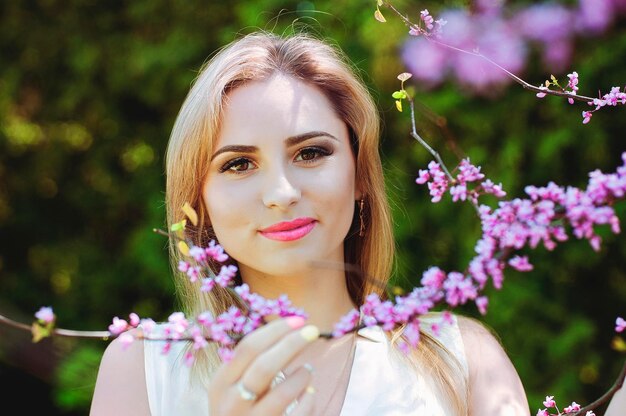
(442, 123)
(423, 142)
(606, 396)
(59, 331)
(511, 75)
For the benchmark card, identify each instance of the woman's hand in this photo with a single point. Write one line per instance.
(242, 386)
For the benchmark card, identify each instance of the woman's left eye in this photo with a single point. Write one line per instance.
(311, 154)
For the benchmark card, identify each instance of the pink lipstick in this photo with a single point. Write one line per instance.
(289, 230)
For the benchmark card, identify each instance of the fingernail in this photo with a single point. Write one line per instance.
(310, 390)
(310, 333)
(308, 367)
(295, 322)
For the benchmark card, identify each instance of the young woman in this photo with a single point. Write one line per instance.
(276, 147)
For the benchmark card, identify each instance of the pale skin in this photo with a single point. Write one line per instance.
(283, 153)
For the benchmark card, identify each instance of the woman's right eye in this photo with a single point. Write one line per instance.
(239, 165)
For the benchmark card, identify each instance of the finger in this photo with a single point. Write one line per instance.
(277, 400)
(254, 344)
(259, 375)
(306, 403)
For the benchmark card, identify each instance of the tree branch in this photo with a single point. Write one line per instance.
(477, 54)
(606, 396)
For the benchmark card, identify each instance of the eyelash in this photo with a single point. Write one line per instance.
(320, 151)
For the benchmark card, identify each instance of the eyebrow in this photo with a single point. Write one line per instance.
(289, 141)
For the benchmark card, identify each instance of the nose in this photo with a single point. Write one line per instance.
(279, 191)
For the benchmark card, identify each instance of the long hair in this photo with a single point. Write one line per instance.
(256, 57)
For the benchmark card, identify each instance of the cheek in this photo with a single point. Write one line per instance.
(335, 193)
(228, 209)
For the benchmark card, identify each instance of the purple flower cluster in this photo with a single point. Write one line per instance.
(229, 326)
(550, 403)
(200, 270)
(506, 39)
(439, 183)
(542, 218)
(226, 328)
(613, 98)
(518, 224)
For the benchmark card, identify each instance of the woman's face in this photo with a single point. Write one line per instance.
(280, 191)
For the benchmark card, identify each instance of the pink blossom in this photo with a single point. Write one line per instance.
(481, 303)
(45, 315)
(459, 289)
(542, 94)
(620, 324)
(134, 319)
(208, 283)
(490, 188)
(520, 263)
(199, 340)
(183, 266)
(347, 323)
(176, 326)
(458, 192)
(423, 177)
(549, 401)
(198, 253)
(468, 172)
(427, 19)
(574, 407)
(216, 251)
(587, 116)
(147, 325)
(433, 277)
(573, 85)
(118, 326)
(543, 412)
(194, 273)
(225, 276)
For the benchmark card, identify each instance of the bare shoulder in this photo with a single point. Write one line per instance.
(495, 386)
(121, 383)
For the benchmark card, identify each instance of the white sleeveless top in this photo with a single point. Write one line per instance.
(380, 383)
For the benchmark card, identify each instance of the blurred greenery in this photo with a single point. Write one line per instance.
(88, 94)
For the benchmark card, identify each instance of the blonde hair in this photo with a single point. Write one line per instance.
(256, 57)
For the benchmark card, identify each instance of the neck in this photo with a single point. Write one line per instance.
(322, 295)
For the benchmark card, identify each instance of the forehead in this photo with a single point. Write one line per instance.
(276, 108)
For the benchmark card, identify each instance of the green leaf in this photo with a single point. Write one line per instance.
(179, 226)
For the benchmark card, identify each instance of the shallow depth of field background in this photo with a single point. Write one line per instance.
(89, 91)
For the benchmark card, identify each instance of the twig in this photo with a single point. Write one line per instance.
(423, 142)
(508, 73)
(59, 331)
(606, 396)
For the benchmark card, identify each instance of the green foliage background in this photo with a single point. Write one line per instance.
(89, 91)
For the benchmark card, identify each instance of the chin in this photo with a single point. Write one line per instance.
(290, 263)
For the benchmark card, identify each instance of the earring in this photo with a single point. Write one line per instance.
(362, 229)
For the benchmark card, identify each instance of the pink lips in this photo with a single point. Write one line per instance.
(289, 230)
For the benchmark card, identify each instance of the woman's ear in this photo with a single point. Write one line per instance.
(358, 191)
